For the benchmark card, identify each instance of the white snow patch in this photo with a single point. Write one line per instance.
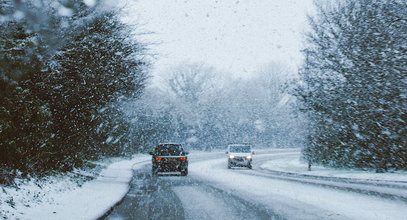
(64, 11)
(292, 163)
(62, 198)
(89, 3)
(292, 199)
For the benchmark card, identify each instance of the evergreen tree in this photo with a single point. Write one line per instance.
(353, 84)
(60, 101)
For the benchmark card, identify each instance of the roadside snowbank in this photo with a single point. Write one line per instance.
(294, 200)
(291, 163)
(60, 197)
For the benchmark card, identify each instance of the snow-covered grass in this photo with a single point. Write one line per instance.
(93, 192)
(291, 163)
(68, 196)
(295, 200)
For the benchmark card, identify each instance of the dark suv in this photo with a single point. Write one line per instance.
(169, 158)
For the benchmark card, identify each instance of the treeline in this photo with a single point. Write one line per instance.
(353, 84)
(65, 67)
(205, 109)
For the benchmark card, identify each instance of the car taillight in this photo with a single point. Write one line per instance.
(183, 158)
(158, 158)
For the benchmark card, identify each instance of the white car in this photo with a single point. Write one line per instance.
(240, 155)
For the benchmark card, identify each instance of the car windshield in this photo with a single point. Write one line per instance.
(168, 150)
(240, 149)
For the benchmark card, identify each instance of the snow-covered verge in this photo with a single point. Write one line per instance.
(68, 196)
(294, 200)
(293, 164)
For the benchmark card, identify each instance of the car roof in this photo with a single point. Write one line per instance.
(169, 145)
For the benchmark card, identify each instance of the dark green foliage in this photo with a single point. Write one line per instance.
(60, 107)
(354, 85)
(97, 68)
(25, 132)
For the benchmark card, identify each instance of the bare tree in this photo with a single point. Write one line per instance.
(191, 81)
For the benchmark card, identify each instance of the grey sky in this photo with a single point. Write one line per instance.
(235, 36)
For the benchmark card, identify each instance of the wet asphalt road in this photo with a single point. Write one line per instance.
(164, 197)
(194, 197)
(149, 197)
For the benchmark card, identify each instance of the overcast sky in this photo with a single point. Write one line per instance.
(235, 36)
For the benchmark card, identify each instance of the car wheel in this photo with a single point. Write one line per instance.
(249, 166)
(184, 172)
(154, 171)
(229, 165)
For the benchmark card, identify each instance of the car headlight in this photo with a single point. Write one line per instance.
(249, 157)
(231, 156)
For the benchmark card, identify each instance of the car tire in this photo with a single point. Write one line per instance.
(229, 165)
(154, 172)
(184, 172)
(249, 166)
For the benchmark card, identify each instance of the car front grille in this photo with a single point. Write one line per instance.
(240, 158)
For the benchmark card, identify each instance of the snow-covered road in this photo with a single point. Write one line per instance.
(211, 191)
